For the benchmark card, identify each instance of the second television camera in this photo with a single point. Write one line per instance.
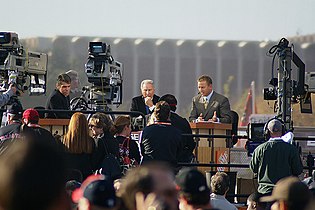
(26, 69)
(105, 75)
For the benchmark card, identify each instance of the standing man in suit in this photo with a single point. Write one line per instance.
(209, 105)
(59, 98)
(186, 154)
(146, 102)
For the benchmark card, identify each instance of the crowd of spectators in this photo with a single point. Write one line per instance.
(34, 177)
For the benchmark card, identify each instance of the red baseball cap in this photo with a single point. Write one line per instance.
(31, 114)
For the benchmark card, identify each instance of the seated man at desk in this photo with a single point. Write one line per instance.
(60, 99)
(146, 102)
(209, 105)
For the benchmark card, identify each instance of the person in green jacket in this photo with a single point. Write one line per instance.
(275, 159)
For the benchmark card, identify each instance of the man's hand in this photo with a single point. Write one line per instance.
(200, 119)
(148, 101)
(214, 117)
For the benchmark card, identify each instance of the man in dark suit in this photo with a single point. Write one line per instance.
(60, 99)
(186, 155)
(209, 105)
(146, 102)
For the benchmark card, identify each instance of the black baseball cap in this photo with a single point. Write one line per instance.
(98, 189)
(192, 181)
(72, 185)
(16, 109)
(274, 126)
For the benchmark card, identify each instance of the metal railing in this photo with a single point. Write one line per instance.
(131, 113)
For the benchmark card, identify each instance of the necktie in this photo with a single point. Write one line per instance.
(147, 109)
(205, 101)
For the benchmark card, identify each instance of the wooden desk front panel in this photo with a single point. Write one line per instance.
(55, 126)
(209, 150)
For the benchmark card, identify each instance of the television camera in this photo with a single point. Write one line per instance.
(284, 90)
(26, 69)
(105, 74)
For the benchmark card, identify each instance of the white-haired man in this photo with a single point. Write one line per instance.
(146, 102)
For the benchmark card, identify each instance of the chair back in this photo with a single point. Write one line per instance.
(234, 121)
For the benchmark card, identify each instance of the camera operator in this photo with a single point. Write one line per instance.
(75, 90)
(274, 159)
(5, 97)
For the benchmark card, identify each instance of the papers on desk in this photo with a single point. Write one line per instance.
(202, 121)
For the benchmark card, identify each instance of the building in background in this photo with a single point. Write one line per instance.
(174, 65)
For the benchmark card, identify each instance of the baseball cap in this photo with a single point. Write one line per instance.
(15, 108)
(289, 189)
(31, 114)
(274, 126)
(72, 185)
(190, 180)
(98, 189)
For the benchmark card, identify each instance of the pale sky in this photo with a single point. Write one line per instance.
(170, 19)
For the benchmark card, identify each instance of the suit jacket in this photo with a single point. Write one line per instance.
(58, 101)
(218, 103)
(186, 154)
(137, 104)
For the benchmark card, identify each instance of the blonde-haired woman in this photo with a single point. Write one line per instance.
(129, 154)
(78, 145)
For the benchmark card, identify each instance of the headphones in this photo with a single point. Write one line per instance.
(266, 130)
